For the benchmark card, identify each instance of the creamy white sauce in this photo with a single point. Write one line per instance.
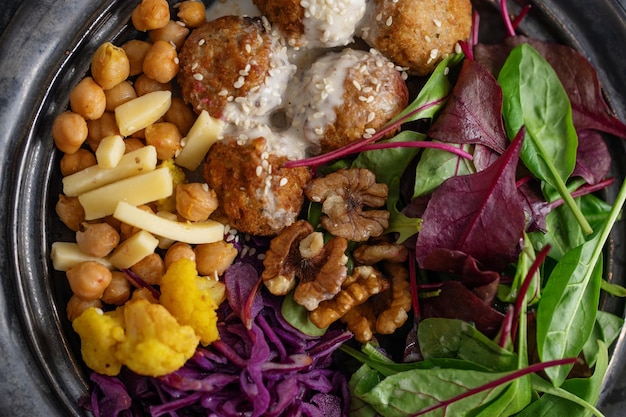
(331, 22)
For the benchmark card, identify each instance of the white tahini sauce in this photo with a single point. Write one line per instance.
(331, 23)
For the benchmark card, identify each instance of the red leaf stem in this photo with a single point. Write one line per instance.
(537, 367)
(419, 144)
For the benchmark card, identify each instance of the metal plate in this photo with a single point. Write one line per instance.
(44, 49)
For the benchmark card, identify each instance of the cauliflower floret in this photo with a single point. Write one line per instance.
(100, 333)
(192, 299)
(141, 335)
(178, 177)
(155, 344)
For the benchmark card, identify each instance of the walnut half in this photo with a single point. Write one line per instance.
(298, 258)
(344, 194)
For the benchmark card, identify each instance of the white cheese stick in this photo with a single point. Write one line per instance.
(133, 163)
(133, 249)
(65, 255)
(142, 111)
(189, 232)
(201, 137)
(136, 190)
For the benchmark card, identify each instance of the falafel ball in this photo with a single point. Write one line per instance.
(257, 194)
(417, 34)
(314, 23)
(234, 67)
(344, 96)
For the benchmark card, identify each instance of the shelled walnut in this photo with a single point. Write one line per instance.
(344, 195)
(298, 258)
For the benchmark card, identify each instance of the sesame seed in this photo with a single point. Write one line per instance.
(176, 60)
(248, 48)
(437, 22)
(223, 93)
(181, 23)
(389, 21)
(239, 83)
(201, 42)
(370, 131)
(356, 84)
(371, 116)
(283, 182)
(194, 66)
(205, 186)
(319, 131)
(259, 170)
(427, 38)
(198, 77)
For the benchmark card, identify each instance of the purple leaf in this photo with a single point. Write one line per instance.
(578, 76)
(241, 281)
(463, 211)
(473, 113)
(111, 396)
(456, 301)
(593, 160)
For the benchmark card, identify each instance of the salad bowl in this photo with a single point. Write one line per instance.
(45, 48)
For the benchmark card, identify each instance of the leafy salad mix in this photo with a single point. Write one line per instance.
(492, 183)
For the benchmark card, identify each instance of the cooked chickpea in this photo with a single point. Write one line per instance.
(97, 239)
(70, 212)
(179, 250)
(136, 51)
(161, 62)
(69, 131)
(76, 306)
(87, 99)
(150, 15)
(192, 13)
(89, 279)
(181, 115)
(213, 258)
(118, 291)
(100, 129)
(170, 33)
(195, 201)
(145, 85)
(133, 144)
(150, 269)
(119, 94)
(109, 65)
(72, 163)
(165, 137)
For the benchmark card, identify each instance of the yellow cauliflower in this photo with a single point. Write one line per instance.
(100, 334)
(178, 177)
(141, 335)
(192, 299)
(155, 344)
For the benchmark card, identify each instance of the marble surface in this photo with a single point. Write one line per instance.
(33, 39)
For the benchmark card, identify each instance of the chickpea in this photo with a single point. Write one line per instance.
(119, 94)
(195, 201)
(181, 115)
(145, 85)
(97, 239)
(118, 291)
(133, 144)
(100, 129)
(70, 211)
(214, 258)
(165, 137)
(161, 62)
(136, 51)
(88, 99)
(192, 13)
(150, 15)
(89, 279)
(69, 131)
(179, 250)
(72, 163)
(109, 65)
(76, 306)
(173, 33)
(150, 269)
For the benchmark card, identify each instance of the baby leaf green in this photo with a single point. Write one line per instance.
(535, 98)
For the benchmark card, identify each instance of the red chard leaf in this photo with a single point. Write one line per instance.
(463, 211)
(473, 113)
(578, 76)
(593, 160)
(456, 301)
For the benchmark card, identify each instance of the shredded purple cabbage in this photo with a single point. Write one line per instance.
(261, 366)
